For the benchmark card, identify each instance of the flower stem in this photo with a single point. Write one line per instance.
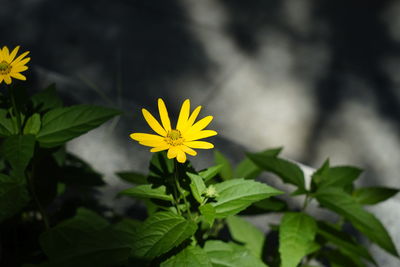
(15, 109)
(178, 186)
(306, 201)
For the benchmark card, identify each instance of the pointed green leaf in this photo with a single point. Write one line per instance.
(339, 176)
(197, 186)
(6, 124)
(33, 124)
(342, 203)
(343, 241)
(160, 233)
(296, 235)
(237, 194)
(243, 231)
(373, 195)
(146, 191)
(63, 124)
(133, 177)
(289, 172)
(248, 170)
(208, 212)
(226, 170)
(230, 255)
(189, 257)
(18, 150)
(211, 172)
(13, 196)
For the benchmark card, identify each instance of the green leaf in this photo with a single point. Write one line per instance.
(373, 195)
(13, 196)
(133, 177)
(343, 241)
(248, 170)
(18, 150)
(161, 232)
(296, 235)
(230, 255)
(338, 259)
(85, 240)
(243, 231)
(6, 124)
(47, 99)
(342, 203)
(339, 176)
(197, 186)
(287, 171)
(237, 194)
(226, 170)
(271, 204)
(63, 124)
(146, 191)
(211, 172)
(33, 124)
(78, 172)
(208, 212)
(190, 256)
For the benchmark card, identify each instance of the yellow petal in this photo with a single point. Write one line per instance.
(183, 115)
(6, 53)
(193, 117)
(172, 152)
(18, 76)
(19, 58)
(153, 123)
(13, 54)
(199, 144)
(151, 143)
(159, 148)
(181, 157)
(7, 79)
(1, 78)
(188, 150)
(200, 125)
(199, 135)
(145, 136)
(19, 69)
(20, 63)
(164, 115)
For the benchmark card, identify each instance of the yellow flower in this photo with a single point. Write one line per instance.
(11, 66)
(180, 140)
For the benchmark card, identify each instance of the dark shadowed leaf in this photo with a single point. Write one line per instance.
(133, 177)
(46, 99)
(7, 127)
(342, 203)
(13, 195)
(18, 150)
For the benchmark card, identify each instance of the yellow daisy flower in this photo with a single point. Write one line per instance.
(180, 140)
(11, 66)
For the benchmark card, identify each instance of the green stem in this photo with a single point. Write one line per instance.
(15, 109)
(306, 201)
(178, 186)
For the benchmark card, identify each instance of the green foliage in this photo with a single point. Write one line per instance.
(190, 256)
(230, 255)
(373, 195)
(160, 233)
(63, 124)
(43, 189)
(296, 237)
(237, 194)
(246, 233)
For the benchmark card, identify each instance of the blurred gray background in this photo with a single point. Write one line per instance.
(320, 78)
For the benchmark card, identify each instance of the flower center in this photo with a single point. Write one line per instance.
(5, 68)
(174, 138)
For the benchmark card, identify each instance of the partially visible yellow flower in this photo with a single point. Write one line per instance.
(180, 140)
(11, 66)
